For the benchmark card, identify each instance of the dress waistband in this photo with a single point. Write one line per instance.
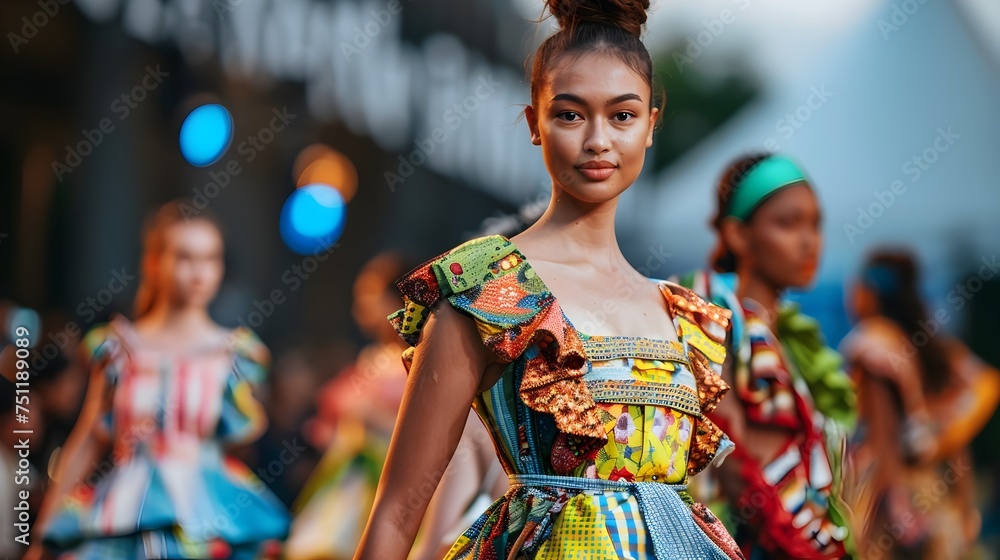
(580, 483)
(665, 508)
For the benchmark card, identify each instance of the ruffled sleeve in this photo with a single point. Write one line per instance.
(489, 280)
(252, 358)
(703, 329)
(242, 417)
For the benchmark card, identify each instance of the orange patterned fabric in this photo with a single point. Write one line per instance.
(711, 322)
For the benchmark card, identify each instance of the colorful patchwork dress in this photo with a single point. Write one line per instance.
(792, 506)
(598, 434)
(168, 489)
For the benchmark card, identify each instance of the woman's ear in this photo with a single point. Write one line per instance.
(653, 113)
(532, 118)
(735, 236)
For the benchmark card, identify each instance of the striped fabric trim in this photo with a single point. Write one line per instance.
(678, 397)
(609, 372)
(504, 421)
(599, 348)
(778, 469)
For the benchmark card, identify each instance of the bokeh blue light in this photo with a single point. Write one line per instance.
(206, 134)
(312, 218)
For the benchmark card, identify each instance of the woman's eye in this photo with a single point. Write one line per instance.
(569, 116)
(623, 116)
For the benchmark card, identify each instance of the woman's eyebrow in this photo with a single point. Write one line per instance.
(579, 100)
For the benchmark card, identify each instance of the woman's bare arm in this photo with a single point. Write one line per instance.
(882, 416)
(447, 370)
(459, 486)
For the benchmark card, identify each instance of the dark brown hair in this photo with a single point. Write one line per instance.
(154, 242)
(723, 260)
(613, 27)
(894, 278)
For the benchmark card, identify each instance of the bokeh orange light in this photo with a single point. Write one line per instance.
(320, 163)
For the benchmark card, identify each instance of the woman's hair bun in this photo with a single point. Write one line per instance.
(629, 15)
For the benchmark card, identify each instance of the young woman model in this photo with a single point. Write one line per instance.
(592, 379)
(166, 394)
(793, 403)
(923, 397)
(356, 411)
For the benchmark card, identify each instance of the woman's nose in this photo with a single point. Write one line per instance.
(597, 141)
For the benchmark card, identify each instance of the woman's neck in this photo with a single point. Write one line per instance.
(766, 295)
(167, 317)
(577, 231)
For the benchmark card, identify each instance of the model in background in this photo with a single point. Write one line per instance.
(356, 412)
(793, 404)
(923, 398)
(167, 394)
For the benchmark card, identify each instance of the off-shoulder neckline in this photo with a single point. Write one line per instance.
(661, 285)
(126, 331)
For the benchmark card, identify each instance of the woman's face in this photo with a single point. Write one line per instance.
(190, 269)
(593, 121)
(782, 242)
(864, 302)
(374, 300)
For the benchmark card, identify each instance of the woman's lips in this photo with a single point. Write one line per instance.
(597, 173)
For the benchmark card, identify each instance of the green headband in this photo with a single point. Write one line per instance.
(764, 179)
